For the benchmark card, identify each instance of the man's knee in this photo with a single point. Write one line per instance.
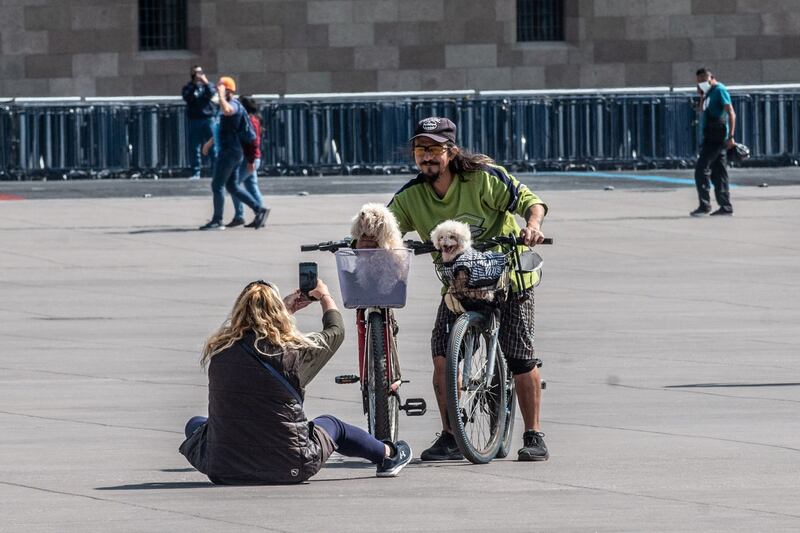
(522, 366)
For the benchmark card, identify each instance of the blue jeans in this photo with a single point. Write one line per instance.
(226, 177)
(350, 440)
(248, 181)
(199, 132)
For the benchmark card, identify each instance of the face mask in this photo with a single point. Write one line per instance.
(704, 86)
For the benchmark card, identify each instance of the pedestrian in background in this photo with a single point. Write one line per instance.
(718, 123)
(235, 131)
(200, 112)
(248, 170)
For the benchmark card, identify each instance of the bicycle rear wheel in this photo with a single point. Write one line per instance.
(382, 406)
(476, 409)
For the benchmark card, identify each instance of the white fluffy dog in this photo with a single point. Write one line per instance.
(452, 238)
(465, 268)
(374, 227)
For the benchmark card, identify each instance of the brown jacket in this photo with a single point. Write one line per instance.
(257, 432)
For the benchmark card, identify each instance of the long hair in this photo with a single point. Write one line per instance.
(466, 161)
(259, 309)
(249, 105)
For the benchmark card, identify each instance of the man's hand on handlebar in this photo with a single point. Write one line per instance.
(531, 236)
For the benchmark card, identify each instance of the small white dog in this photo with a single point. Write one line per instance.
(464, 267)
(375, 227)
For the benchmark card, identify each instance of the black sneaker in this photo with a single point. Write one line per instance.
(214, 224)
(444, 449)
(261, 218)
(533, 447)
(722, 212)
(235, 222)
(700, 212)
(391, 466)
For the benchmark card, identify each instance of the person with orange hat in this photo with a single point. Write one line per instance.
(235, 130)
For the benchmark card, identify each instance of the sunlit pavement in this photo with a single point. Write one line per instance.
(670, 346)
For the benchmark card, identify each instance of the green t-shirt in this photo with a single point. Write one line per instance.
(485, 199)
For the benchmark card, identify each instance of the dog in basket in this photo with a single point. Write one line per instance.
(374, 227)
(470, 273)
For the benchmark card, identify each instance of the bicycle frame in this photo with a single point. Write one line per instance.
(494, 329)
(392, 365)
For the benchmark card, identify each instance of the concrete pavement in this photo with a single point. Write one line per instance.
(670, 348)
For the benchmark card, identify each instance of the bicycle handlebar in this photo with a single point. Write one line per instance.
(419, 247)
(327, 246)
(427, 247)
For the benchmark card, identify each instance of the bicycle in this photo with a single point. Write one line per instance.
(480, 391)
(374, 293)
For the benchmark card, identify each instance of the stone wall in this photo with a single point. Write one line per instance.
(90, 47)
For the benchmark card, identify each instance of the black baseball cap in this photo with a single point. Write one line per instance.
(436, 128)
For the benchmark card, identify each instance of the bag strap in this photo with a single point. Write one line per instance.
(277, 375)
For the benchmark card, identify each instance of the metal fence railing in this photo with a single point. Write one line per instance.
(368, 132)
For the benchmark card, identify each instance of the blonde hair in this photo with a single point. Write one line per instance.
(259, 309)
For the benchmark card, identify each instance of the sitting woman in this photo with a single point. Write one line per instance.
(259, 365)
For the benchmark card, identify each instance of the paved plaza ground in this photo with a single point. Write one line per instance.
(671, 349)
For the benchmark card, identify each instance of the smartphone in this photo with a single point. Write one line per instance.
(308, 277)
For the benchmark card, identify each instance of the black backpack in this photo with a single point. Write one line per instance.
(247, 135)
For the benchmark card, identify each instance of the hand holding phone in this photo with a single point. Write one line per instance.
(308, 278)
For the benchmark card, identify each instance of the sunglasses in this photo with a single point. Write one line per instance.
(435, 149)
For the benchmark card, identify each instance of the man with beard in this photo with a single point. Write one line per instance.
(455, 184)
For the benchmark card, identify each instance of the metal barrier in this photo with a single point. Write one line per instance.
(368, 132)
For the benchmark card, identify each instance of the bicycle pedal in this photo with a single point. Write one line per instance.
(346, 379)
(415, 406)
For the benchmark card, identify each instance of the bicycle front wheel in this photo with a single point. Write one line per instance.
(382, 404)
(476, 407)
(511, 403)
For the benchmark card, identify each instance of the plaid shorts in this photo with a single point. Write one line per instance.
(516, 328)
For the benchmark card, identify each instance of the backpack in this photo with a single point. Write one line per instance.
(247, 135)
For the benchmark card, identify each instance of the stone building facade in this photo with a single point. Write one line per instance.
(91, 47)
